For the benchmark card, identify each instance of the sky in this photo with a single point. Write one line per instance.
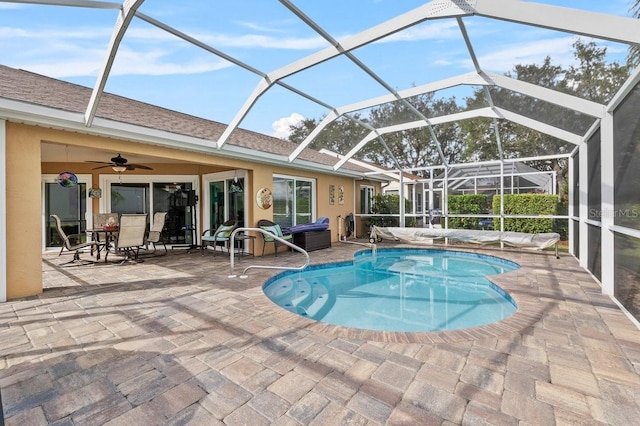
(153, 66)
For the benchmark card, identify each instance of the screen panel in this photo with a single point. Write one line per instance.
(626, 148)
(627, 272)
(594, 191)
(594, 256)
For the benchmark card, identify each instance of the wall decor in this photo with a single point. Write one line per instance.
(67, 179)
(341, 195)
(95, 193)
(332, 195)
(264, 198)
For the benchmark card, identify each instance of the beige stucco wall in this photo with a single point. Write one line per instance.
(24, 206)
(24, 213)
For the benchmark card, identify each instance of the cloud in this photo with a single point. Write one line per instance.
(430, 31)
(282, 126)
(274, 27)
(158, 62)
(253, 41)
(504, 58)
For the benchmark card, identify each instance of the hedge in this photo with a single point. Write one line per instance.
(466, 204)
(527, 204)
(388, 204)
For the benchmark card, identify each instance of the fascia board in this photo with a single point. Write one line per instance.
(69, 121)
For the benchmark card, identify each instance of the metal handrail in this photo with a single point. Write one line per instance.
(372, 246)
(275, 237)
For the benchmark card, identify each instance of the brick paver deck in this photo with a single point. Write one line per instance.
(174, 341)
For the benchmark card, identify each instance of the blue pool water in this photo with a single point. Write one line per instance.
(398, 290)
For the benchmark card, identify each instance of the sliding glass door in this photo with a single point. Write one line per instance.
(69, 204)
(175, 195)
(224, 198)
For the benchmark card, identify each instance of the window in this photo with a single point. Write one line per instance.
(293, 200)
(366, 199)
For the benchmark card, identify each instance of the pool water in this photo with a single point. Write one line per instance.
(398, 290)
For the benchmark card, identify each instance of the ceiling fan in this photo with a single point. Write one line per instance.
(119, 164)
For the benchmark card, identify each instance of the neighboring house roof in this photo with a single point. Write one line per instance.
(461, 176)
(28, 87)
(376, 169)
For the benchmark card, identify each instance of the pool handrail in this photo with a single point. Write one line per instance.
(275, 237)
(372, 246)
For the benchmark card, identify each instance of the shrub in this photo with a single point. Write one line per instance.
(466, 204)
(388, 204)
(529, 204)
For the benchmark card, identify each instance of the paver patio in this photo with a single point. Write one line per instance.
(174, 341)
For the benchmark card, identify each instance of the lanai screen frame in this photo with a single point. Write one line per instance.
(572, 21)
(399, 175)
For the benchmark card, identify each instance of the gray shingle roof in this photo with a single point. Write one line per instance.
(25, 86)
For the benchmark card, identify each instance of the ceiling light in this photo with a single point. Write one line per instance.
(119, 168)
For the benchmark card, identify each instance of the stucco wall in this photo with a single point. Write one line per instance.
(24, 197)
(24, 229)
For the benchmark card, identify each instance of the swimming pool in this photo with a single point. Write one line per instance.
(398, 290)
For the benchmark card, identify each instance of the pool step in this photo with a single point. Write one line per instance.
(319, 300)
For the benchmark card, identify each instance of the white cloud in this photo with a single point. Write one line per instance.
(281, 127)
(429, 31)
(273, 27)
(255, 41)
(560, 50)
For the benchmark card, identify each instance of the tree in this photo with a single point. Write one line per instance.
(592, 78)
(415, 148)
(633, 59)
(339, 136)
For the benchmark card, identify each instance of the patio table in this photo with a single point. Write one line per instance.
(110, 235)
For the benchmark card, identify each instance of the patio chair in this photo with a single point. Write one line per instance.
(155, 235)
(131, 233)
(275, 229)
(100, 221)
(221, 235)
(74, 243)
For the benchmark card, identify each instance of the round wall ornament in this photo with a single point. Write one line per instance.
(264, 198)
(67, 179)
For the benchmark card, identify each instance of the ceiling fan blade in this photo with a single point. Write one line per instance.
(138, 166)
(98, 162)
(103, 167)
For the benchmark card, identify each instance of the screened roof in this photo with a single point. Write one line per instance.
(333, 65)
(469, 177)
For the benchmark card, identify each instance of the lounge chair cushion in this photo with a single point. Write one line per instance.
(275, 230)
(222, 234)
(322, 224)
